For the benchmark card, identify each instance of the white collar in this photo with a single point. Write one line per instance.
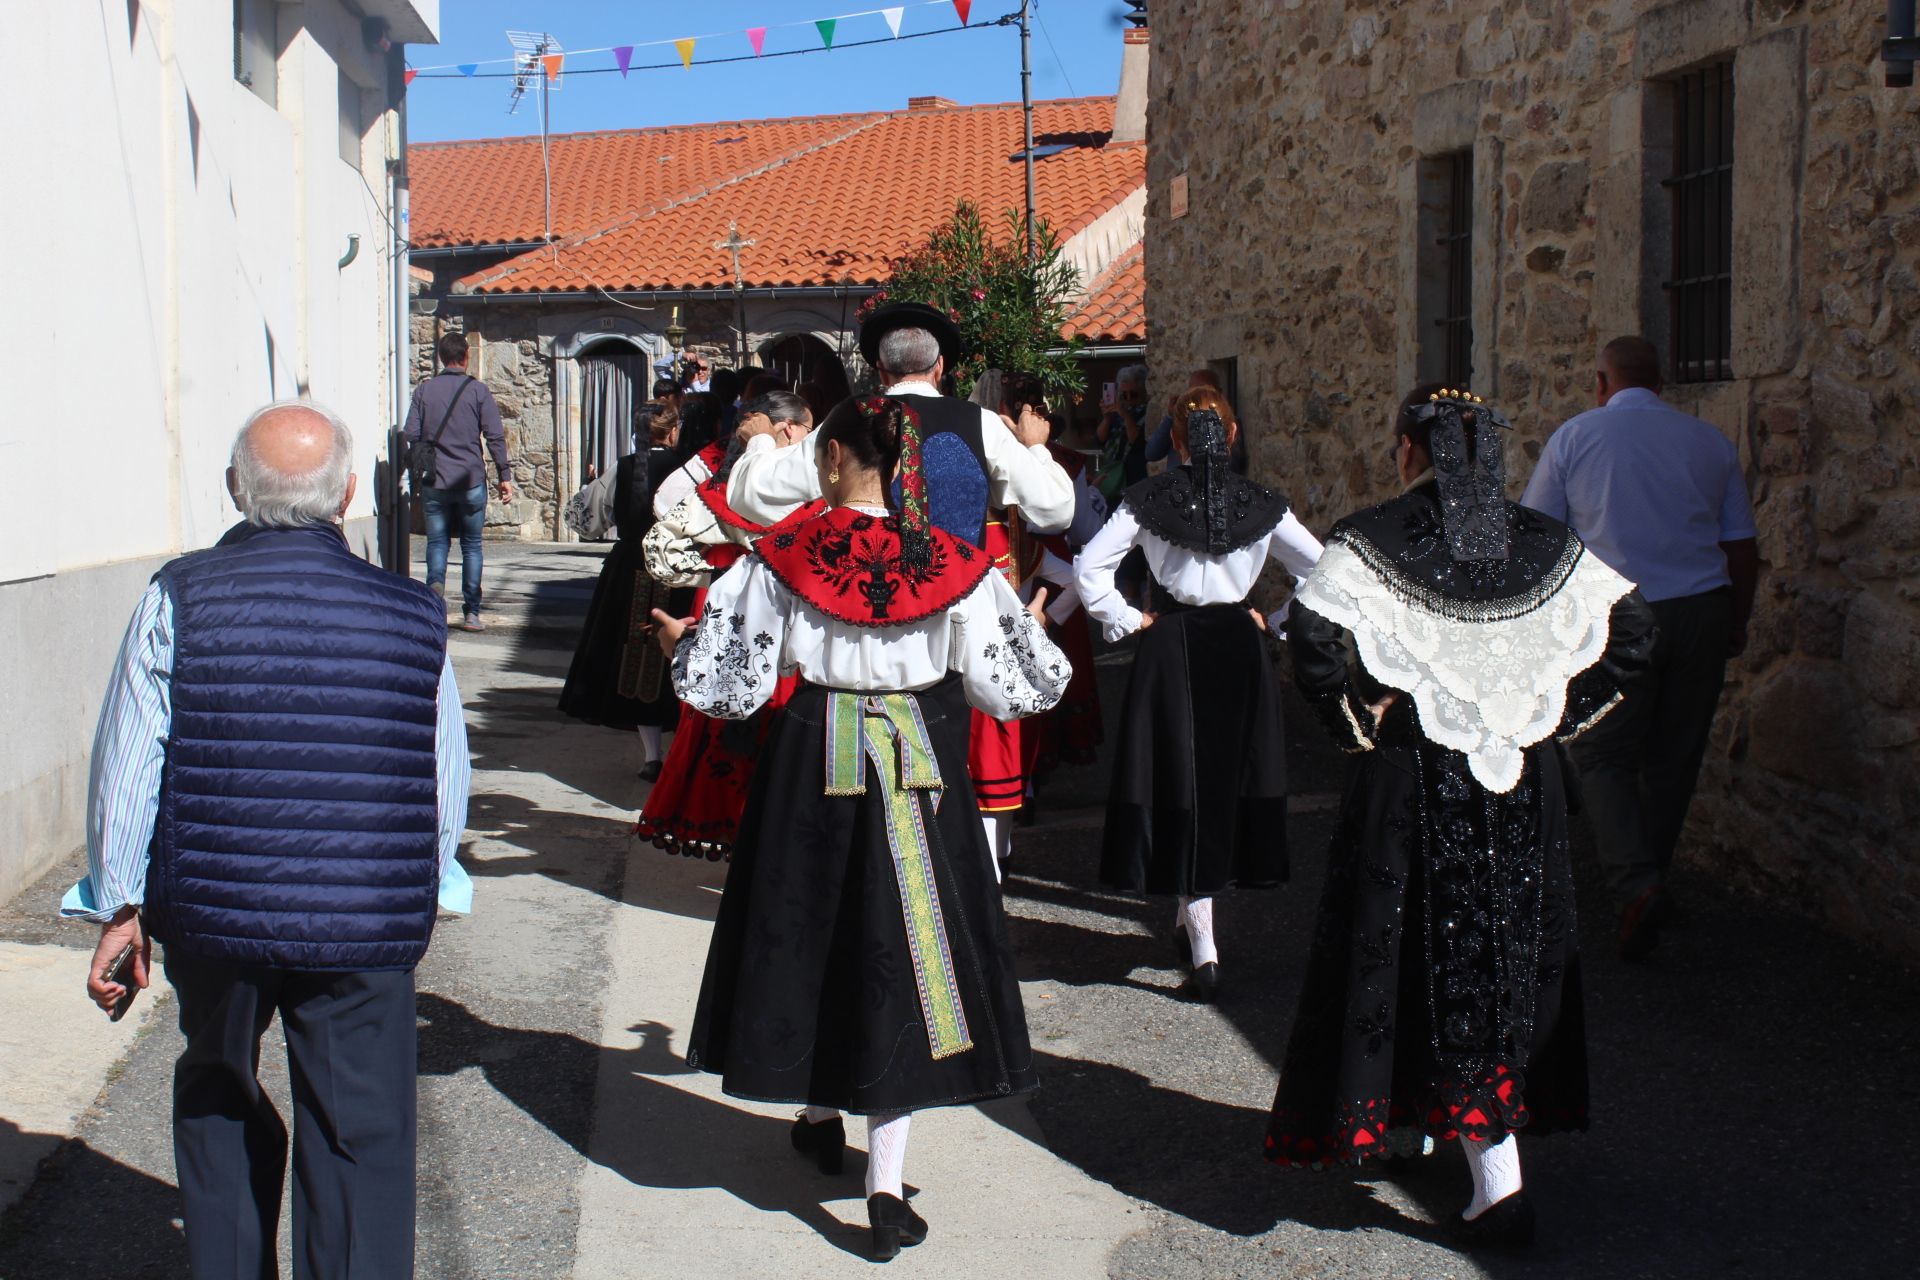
(1633, 398)
(912, 387)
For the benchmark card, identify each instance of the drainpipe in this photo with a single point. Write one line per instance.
(1902, 47)
(398, 512)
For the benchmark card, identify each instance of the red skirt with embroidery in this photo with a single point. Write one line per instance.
(996, 764)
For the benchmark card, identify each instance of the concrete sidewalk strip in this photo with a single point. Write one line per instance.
(56, 1051)
(683, 1177)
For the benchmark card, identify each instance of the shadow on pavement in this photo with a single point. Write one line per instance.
(132, 1237)
(659, 1136)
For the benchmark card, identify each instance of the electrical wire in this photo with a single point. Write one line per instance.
(1062, 62)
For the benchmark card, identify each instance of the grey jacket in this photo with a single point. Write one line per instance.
(459, 463)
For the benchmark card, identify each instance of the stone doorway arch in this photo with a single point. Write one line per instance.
(799, 358)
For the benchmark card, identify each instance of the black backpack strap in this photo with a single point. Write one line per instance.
(451, 406)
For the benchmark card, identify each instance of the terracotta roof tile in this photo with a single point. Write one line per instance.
(1114, 311)
(838, 209)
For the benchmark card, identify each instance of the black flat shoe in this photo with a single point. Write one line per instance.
(650, 771)
(826, 1142)
(894, 1224)
(1508, 1224)
(1203, 984)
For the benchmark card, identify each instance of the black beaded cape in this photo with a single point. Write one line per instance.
(1173, 507)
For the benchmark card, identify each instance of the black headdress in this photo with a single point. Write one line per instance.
(1204, 506)
(1469, 465)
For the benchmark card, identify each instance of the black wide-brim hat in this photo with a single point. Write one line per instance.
(910, 315)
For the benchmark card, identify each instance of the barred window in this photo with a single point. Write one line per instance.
(1700, 289)
(1444, 260)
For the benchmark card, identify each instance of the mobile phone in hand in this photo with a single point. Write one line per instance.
(121, 971)
(1109, 393)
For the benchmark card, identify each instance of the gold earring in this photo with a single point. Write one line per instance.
(833, 477)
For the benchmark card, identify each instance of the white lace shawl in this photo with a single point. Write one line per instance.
(1488, 689)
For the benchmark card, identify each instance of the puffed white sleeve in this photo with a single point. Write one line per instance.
(1093, 571)
(1024, 476)
(672, 548)
(677, 486)
(727, 666)
(768, 481)
(1297, 550)
(1006, 663)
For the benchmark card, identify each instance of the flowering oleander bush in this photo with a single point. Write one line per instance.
(1009, 311)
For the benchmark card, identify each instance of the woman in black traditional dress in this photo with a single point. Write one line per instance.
(1199, 796)
(859, 961)
(618, 677)
(1443, 990)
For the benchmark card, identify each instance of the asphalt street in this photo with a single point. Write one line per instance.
(1753, 1083)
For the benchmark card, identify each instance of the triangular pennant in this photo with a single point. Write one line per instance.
(552, 63)
(686, 51)
(893, 20)
(623, 54)
(757, 37)
(467, 68)
(963, 7)
(826, 26)
(411, 73)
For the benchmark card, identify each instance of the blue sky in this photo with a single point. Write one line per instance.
(1076, 52)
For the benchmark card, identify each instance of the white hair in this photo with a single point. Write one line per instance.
(1133, 375)
(905, 352)
(275, 499)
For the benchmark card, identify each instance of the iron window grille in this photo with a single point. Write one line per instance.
(1456, 250)
(1700, 291)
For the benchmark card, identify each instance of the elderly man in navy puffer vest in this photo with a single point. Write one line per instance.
(278, 790)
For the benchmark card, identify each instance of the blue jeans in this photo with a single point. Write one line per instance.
(466, 508)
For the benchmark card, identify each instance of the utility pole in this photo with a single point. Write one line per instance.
(546, 163)
(1026, 108)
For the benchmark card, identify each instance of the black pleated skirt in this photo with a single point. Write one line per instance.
(619, 677)
(1199, 796)
(810, 994)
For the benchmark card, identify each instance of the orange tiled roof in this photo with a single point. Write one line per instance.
(490, 191)
(1114, 312)
(841, 208)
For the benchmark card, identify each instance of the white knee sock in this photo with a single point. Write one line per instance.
(887, 1153)
(1196, 914)
(820, 1115)
(999, 839)
(1495, 1167)
(649, 743)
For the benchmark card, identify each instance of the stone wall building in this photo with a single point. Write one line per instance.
(1486, 190)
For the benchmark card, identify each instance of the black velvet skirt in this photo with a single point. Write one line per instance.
(1199, 796)
(1442, 990)
(619, 677)
(825, 983)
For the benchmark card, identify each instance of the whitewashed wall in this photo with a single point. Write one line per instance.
(172, 257)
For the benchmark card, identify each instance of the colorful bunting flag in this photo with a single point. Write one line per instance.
(686, 51)
(893, 20)
(552, 63)
(411, 73)
(757, 37)
(826, 26)
(962, 7)
(467, 68)
(623, 54)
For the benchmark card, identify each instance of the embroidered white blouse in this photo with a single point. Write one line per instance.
(1191, 577)
(674, 547)
(679, 485)
(754, 629)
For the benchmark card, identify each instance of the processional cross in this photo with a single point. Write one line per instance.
(736, 244)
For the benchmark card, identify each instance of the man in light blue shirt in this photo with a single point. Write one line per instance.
(278, 790)
(1659, 496)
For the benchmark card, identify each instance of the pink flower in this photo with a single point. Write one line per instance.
(979, 295)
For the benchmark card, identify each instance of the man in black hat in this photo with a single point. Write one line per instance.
(972, 459)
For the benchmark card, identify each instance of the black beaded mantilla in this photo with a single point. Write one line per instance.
(1404, 542)
(1170, 507)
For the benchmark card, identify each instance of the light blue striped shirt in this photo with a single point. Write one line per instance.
(130, 749)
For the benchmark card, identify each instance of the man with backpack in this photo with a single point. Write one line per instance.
(452, 413)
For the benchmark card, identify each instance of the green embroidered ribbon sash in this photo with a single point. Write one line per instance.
(888, 729)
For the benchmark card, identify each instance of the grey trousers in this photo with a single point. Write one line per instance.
(1638, 766)
(351, 1053)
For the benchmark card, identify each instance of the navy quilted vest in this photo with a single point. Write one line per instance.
(954, 456)
(298, 816)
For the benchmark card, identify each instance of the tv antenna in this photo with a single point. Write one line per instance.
(531, 49)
